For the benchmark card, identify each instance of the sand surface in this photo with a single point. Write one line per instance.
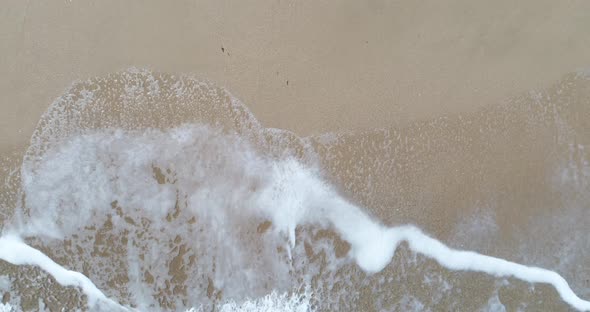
(307, 66)
(470, 119)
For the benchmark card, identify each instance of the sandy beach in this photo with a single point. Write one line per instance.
(469, 119)
(299, 65)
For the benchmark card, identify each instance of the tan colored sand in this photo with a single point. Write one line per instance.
(316, 66)
(309, 66)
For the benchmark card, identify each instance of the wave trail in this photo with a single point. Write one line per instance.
(472, 261)
(373, 245)
(15, 251)
(220, 176)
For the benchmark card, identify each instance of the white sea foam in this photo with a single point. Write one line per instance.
(272, 302)
(494, 305)
(373, 245)
(5, 283)
(6, 308)
(15, 251)
(290, 195)
(471, 261)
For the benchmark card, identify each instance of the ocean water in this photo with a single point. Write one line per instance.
(150, 191)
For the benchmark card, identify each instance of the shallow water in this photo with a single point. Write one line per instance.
(168, 194)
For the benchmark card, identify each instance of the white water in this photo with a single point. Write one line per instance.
(272, 302)
(226, 181)
(14, 251)
(6, 308)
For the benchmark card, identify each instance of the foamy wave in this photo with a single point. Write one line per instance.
(6, 308)
(14, 251)
(272, 302)
(164, 217)
(291, 195)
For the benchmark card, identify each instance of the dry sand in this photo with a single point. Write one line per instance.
(307, 66)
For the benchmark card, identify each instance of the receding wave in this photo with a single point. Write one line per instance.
(148, 191)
